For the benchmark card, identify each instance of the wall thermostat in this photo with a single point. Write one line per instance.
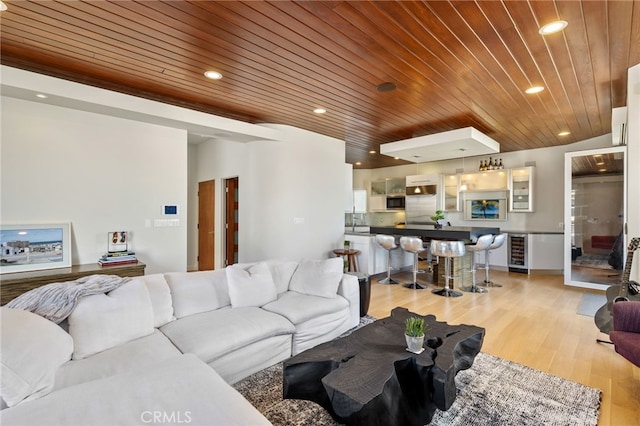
(169, 209)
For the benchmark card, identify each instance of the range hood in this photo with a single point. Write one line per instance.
(466, 142)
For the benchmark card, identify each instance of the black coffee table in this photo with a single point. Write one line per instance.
(369, 378)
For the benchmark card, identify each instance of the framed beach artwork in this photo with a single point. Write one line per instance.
(31, 247)
(486, 209)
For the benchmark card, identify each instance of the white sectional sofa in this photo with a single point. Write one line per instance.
(165, 348)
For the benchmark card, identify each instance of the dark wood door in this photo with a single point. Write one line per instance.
(231, 225)
(206, 221)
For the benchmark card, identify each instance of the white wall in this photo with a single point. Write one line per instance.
(548, 191)
(100, 173)
(300, 176)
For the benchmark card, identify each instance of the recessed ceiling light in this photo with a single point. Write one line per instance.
(534, 89)
(396, 158)
(602, 170)
(372, 152)
(319, 110)
(41, 96)
(3, 6)
(358, 163)
(553, 27)
(213, 75)
(565, 133)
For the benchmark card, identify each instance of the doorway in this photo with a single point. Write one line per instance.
(206, 222)
(231, 221)
(595, 206)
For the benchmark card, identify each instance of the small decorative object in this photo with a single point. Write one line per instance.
(439, 215)
(117, 241)
(414, 334)
(347, 244)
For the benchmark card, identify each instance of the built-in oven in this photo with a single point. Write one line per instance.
(395, 203)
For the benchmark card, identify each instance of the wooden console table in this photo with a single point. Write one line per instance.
(14, 284)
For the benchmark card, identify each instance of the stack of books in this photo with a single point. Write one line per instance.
(118, 258)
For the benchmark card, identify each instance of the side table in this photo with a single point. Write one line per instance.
(352, 260)
(365, 291)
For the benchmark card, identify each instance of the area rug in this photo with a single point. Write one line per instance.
(590, 303)
(493, 391)
(593, 261)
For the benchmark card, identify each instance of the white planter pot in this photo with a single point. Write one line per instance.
(414, 344)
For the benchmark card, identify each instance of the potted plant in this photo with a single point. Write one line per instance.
(439, 215)
(414, 334)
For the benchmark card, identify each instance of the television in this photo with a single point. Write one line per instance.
(485, 209)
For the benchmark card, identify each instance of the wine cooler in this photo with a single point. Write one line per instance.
(518, 255)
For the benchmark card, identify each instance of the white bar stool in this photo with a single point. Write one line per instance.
(498, 241)
(483, 243)
(448, 250)
(413, 245)
(387, 242)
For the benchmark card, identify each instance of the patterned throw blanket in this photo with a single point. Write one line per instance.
(57, 300)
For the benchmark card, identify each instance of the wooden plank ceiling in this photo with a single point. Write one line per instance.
(454, 63)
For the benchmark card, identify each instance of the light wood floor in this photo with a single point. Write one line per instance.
(532, 320)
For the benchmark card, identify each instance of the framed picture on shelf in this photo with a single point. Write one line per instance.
(117, 241)
(32, 247)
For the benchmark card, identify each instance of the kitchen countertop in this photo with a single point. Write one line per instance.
(470, 233)
(508, 231)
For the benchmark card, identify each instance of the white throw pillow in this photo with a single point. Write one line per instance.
(104, 321)
(32, 349)
(318, 277)
(196, 292)
(252, 286)
(282, 271)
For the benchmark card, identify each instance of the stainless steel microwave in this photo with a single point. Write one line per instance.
(395, 203)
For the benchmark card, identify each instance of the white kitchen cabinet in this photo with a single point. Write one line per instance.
(363, 244)
(451, 193)
(360, 200)
(521, 187)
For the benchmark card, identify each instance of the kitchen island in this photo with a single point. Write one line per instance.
(429, 232)
(467, 234)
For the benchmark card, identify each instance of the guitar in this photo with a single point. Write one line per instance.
(623, 292)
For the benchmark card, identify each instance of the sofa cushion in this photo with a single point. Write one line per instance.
(281, 272)
(318, 277)
(212, 334)
(250, 286)
(128, 357)
(160, 298)
(32, 349)
(196, 292)
(180, 390)
(103, 321)
(298, 307)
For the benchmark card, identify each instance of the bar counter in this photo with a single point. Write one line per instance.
(429, 232)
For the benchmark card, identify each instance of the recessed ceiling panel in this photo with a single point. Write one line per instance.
(466, 142)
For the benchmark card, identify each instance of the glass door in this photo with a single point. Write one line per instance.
(595, 206)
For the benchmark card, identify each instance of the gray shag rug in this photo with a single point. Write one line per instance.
(493, 391)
